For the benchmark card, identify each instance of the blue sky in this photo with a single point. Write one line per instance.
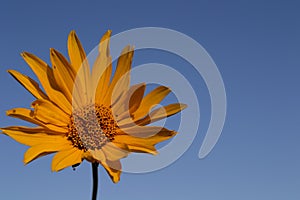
(256, 46)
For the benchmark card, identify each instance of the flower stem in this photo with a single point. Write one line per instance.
(95, 180)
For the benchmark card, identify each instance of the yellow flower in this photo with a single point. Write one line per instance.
(88, 115)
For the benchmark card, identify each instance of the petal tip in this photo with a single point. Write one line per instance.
(72, 35)
(72, 32)
(183, 106)
(54, 168)
(23, 54)
(108, 33)
(10, 112)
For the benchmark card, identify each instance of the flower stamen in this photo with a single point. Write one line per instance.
(91, 127)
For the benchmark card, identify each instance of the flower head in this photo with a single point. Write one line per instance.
(88, 115)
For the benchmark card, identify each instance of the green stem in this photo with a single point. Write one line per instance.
(95, 180)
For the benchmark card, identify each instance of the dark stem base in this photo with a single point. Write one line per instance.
(95, 180)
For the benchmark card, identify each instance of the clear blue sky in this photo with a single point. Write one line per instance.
(256, 45)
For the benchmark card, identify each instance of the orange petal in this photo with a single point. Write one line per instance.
(113, 169)
(100, 72)
(161, 113)
(142, 131)
(30, 139)
(44, 149)
(28, 115)
(63, 73)
(29, 84)
(46, 77)
(113, 152)
(129, 101)
(48, 113)
(66, 158)
(38, 129)
(150, 100)
(24, 114)
(138, 144)
(123, 66)
(81, 66)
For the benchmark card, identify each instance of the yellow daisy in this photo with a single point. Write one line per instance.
(82, 115)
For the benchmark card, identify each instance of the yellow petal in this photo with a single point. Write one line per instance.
(37, 129)
(28, 115)
(143, 148)
(66, 158)
(103, 85)
(143, 131)
(103, 47)
(138, 144)
(76, 51)
(32, 139)
(44, 149)
(46, 77)
(48, 113)
(57, 129)
(128, 101)
(122, 146)
(83, 94)
(113, 152)
(100, 73)
(161, 113)
(101, 155)
(113, 169)
(89, 157)
(98, 154)
(119, 89)
(29, 84)
(125, 121)
(24, 114)
(81, 67)
(136, 98)
(150, 100)
(123, 66)
(63, 73)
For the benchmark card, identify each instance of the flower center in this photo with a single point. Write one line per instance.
(91, 127)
